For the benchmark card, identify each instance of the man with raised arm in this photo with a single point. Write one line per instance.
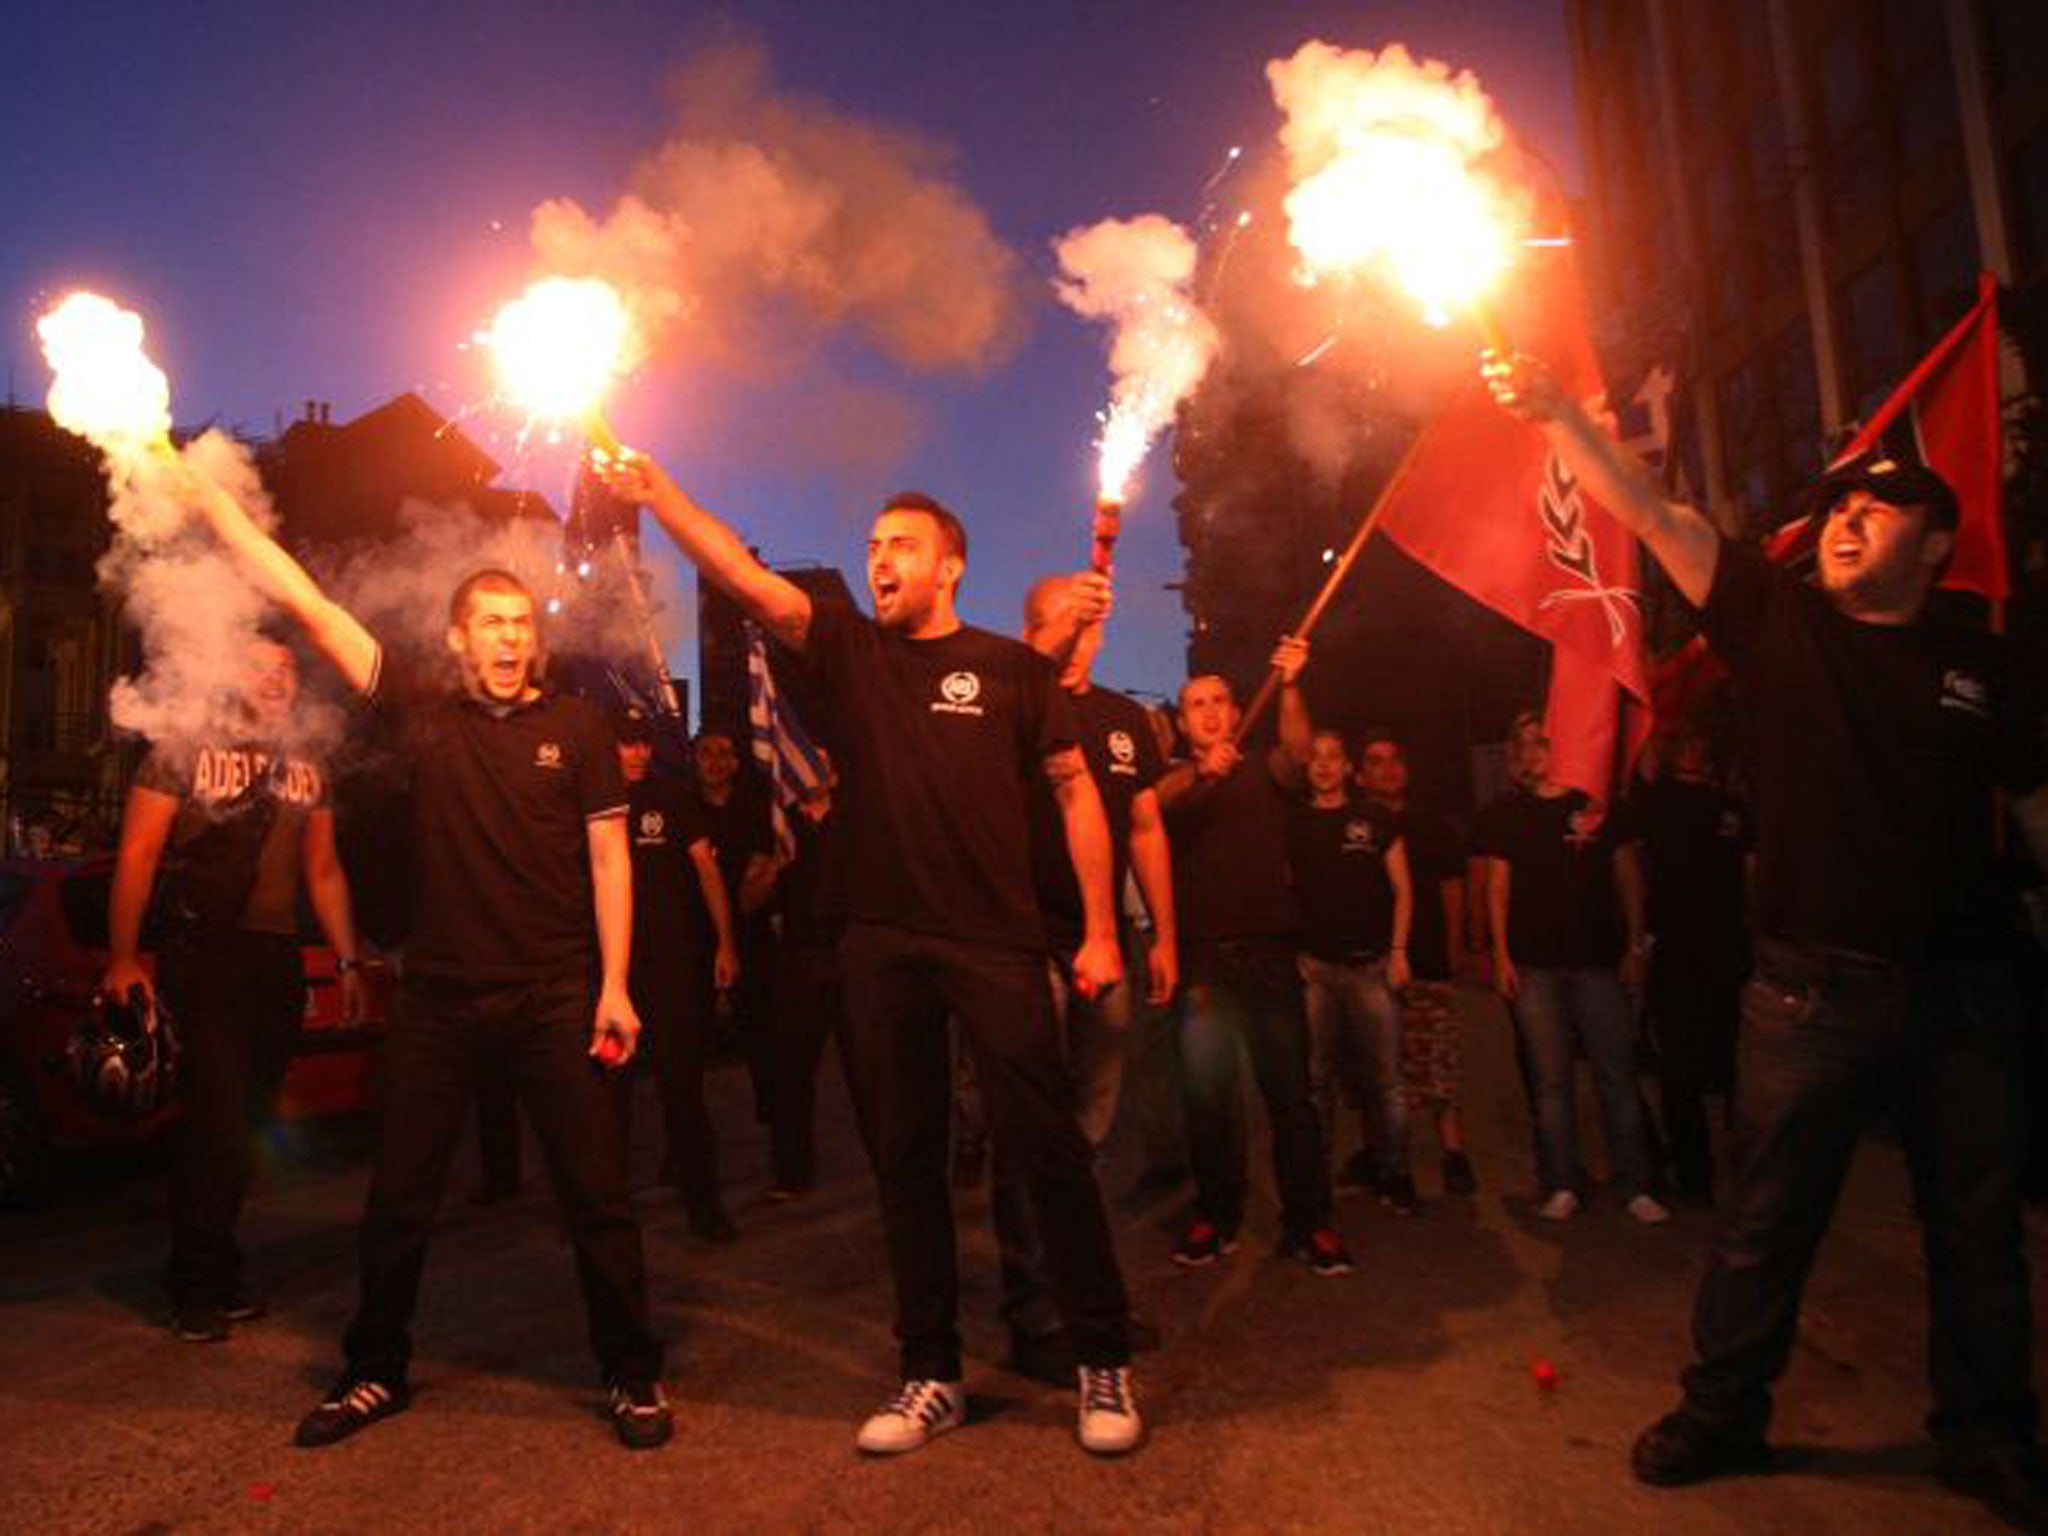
(523, 911)
(1880, 978)
(941, 732)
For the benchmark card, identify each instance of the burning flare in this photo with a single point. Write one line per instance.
(105, 387)
(1390, 164)
(560, 346)
(1136, 274)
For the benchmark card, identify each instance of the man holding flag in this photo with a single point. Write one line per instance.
(1881, 977)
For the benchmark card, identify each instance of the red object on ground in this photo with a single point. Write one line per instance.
(262, 1492)
(1544, 1374)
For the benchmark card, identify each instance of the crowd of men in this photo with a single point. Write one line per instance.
(1010, 856)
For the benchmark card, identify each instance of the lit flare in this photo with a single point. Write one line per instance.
(105, 388)
(559, 347)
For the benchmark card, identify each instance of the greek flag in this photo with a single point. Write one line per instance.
(783, 750)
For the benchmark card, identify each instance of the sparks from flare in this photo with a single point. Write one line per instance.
(105, 388)
(1390, 162)
(560, 346)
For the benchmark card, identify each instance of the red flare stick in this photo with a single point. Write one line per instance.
(1109, 517)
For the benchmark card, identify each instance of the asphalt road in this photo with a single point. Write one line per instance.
(1403, 1398)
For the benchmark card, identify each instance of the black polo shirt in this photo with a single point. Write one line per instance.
(1876, 750)
(1337, 859)
(501, 801)
(1123, 756)
(938, 744)
(1229, 840)
(669, 916)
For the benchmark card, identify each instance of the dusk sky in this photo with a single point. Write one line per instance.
(326, 201)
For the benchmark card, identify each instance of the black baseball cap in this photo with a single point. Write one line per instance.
(1891, 474)
(631, 723)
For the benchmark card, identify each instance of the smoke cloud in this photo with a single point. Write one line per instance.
(769, 223)
(1136, 275)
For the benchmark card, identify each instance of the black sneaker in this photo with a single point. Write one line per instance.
(199, 1322)
(1322, 1250)
(640, 1415)
(1203, 1243)
(2009, 1480)
(1683, 1448)
(1459, 1179)
(1399, 1192)
(713, 1225)
(353, 1403)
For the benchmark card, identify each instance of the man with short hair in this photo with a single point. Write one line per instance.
(522, 922)
(234, 819)
(679, 896)
(1879, 733)
(1226, 814)
(1063, 622)
(1349, 865)
(1432, 1035)
(941, 731)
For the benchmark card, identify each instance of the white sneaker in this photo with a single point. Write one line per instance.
(918, 1411)
(1561, 1205)
(1648, 1210)
(1109, 1423)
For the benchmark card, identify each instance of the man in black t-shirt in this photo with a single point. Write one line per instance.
(1432, 1035)
(522, 920)
(940, 733)
(1879, 734)
(1240, 929)
(1564, 890)
(679, 895)
(233, 820)
(1349, 867)
(1063, 618)
(1695, 837)
(734, 811)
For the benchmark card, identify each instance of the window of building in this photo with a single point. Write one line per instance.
(1945, 255)
(1795, 387)
(1877, 330)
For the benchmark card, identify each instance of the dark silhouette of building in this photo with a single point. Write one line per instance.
(722, 643)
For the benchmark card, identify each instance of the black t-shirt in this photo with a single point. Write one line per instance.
(1696, 841)
(938, 743)
(1229, 841)
(1337, 859)
(662, 822)
(1876, 749)
(500, 844)
(1436, 853)
(738, 829)
(1123, 756)
(236, 844)
(1562, 907)
(811, 892)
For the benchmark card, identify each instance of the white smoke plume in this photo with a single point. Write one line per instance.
(768, 222)
(1137, 274)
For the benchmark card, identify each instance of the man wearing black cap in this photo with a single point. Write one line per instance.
(1881, 980)
(679, 897)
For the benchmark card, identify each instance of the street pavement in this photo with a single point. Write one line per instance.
(1483, 1371)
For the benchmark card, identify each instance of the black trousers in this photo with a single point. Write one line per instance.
(540, 1034)
(1828, 1041)
(810, 1001)
(675, 1000)
(1248, 990)
(238, 999)
(900, 989)
(1694, 1002)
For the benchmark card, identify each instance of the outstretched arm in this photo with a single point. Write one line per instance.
(1297, 730)
(772, 600)
(334, 631)
(1680, 538)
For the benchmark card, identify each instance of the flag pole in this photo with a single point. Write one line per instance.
(1332, 582)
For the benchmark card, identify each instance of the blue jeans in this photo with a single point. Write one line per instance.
(1557, 1007)
(1354, 1041)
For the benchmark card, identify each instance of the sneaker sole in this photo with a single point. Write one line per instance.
(310, 1436)
(883, 1452)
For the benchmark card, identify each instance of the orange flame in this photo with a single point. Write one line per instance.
(1388, 160)
(104, 388)
(560, 346)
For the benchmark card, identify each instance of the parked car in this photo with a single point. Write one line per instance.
(53, 951)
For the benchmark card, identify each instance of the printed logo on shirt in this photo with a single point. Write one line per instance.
(957, 693)
(1358, 836)
(1123, 753)
(1583, 825)
(1965, 691)
(221, 774)
(548, 755)
(651, 823)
